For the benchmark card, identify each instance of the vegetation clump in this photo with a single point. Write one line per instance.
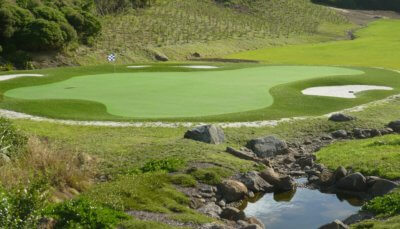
(385, 206)
(168, 165)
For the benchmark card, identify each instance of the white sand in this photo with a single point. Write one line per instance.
(347, 91)
(199, 66)
(139, 66)
(13, 76)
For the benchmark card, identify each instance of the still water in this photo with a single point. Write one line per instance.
(301, 209)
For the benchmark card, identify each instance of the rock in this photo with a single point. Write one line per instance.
(340, 173)
(270, 176)
(341, 118)
(326, 177)
(386, 131)
(255, 183)
(361, 133)
(231, 213)
(326, 137)
(353, 182)
(381, 187)
(286, 184)
(252, 226)
(161, 57)
(375, 133)
(267, 146)
(289, 159)
(196, 203)
(337, 224)
(395, 126)
(305, 161)
(254, 220)
(196, 55)
(4, 159)
(339, 134)
(215, 226)
(222, 203)
(211, 134)
(247, 155)
(211, 209)
(232, 190)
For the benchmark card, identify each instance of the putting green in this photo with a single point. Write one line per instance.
(179, 94)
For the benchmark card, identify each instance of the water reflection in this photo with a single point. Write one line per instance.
(302, 208)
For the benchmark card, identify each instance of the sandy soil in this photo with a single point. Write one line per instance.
(13, 76)
(346, 91)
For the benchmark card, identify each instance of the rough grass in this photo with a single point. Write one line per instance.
(377, 156)
(62, 169)
(180, 28)
(287, 97)
(390, 223)
(376, 45)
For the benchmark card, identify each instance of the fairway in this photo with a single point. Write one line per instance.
(178, 94)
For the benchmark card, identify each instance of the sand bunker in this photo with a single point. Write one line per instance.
(347, 91)
(199, 67)
(13, 76)
(139, 66)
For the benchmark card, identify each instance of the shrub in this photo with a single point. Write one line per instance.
(11, 142)
(49, 14)
(82, 213)
(168, 165)
(211, 176)
(21, 208)
(68, 32)
(61, 169)
(42, 35)
(388, 205)
(184, 180)
(12, 20)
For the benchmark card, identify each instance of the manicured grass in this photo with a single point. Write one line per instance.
(175, 94)
(377, 156)
(376, 45)
(178, 94)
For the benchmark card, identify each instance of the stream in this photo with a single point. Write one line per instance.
(302, 208)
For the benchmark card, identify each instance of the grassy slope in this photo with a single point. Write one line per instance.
(377, 156)
(122, 150)
(288, 100)
(180, 28)
(376, 45)
(164, 95)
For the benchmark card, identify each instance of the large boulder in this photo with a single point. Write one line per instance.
(267, 146)
(339, 134)
(280, 183)
(211, 209)
(353, 182)
(231, 213)
(211, 134)
(340, 117)
(242, 154)
(340, 173)
(161, 57)
(337, 224)
(381, 187)
(270, 176)
(255, 183)
(395, 125)
(232, 190)
(254, 220)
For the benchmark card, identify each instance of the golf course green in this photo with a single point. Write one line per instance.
(179, 94)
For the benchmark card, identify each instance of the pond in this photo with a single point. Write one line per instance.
(303, 208)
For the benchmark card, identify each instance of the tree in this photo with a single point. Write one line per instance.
(41, 35)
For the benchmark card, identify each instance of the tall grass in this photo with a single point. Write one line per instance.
(61, 169)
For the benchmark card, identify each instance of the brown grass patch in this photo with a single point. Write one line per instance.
(63, 170)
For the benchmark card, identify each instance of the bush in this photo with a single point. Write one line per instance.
(168, 165)
(12, 20)
(68, 32)
(49, 14)
(388, 205)
(42, 35)
(21, 208)
(11, 142)
(211, 176)
(82, 213)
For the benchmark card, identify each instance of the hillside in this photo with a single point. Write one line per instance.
(176, 29)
